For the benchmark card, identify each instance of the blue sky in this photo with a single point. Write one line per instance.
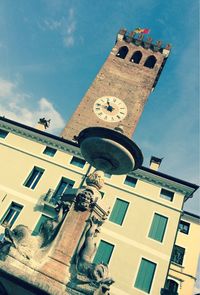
(50, 52)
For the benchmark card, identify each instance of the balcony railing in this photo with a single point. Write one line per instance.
(51, 198)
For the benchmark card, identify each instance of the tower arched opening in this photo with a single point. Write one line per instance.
(122, 52)
(150, 62)
(136, 57)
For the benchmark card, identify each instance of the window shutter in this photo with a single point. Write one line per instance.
(103, 253)
(145, 275)
(119, 211)
(158, 227)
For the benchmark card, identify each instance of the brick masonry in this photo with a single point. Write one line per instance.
(123, 79)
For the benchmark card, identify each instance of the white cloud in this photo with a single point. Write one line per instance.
(6, 87)
(21, 107)
(70, 29)
(65, 26)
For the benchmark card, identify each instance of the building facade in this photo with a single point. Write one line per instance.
(184, 260)
(62, 231)
(138, 238)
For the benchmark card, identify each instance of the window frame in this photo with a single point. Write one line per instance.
(51, 150)
(55, 198)
(182, 258)
(165, 197)
(36, 232)
(175, 281)
(35, 180)
(186, 232)
(111, 253)
(138, 271)
(77, 165)
(112, 212)
(13, 217)
(131, 177)
(107, 175)
(3, 133)
(151, 227)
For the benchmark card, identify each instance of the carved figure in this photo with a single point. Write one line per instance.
(44, 122)
(98, 274)
(89, 246)
(50, 228)
(85, 200)
(19, 241)
(96, 179)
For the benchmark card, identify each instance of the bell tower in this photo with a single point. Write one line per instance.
(121, 88)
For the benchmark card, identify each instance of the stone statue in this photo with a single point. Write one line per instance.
(50, 228)
(87, 198)
(97, 274)
(96, 179)
(19, 242)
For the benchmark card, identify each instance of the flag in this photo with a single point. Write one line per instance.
(141, 31)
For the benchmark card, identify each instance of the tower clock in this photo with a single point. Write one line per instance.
(120, 90)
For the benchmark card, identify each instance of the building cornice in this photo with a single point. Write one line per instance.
(143, 173)
(39, 136)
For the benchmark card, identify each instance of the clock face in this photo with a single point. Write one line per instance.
(110, 109)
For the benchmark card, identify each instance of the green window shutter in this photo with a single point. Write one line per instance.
(145, 275)
(158, 227)
(119, 211)
(41, 220)
(103, 253)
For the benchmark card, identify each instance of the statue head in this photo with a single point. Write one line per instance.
(96, 179)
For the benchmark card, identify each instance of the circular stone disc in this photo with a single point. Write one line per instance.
(109, 150)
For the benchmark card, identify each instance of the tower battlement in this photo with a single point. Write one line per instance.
(145, 41)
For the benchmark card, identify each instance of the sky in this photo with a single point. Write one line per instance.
(51, 50)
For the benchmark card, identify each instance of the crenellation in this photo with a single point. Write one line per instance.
(141, 40)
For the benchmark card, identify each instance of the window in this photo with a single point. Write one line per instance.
(172, 286)
(158, 227)
(136, 57)
(131, 181)
(184, 227)
(107, 175)
(34, 177)
(178, 255)
(102, 194)
(77, 162)
(11, 215)
(64, 184)
(167, 195)
(3, 133)
(49, 151)
(119, 211)
(145, 275)
(103, 253)
(41, 221)
(122, 52)
(150, 62)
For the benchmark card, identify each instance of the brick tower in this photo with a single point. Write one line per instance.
(120, 90)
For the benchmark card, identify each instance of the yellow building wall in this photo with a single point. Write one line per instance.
(186, 274)
(19, 155)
